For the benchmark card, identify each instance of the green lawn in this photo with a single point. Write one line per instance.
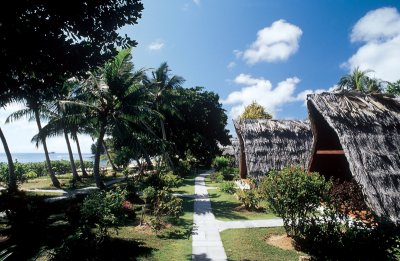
(249, 244)
(227, 207)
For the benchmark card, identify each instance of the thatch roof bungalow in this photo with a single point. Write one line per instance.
(272, 145)
(358, 136)
(232, 150)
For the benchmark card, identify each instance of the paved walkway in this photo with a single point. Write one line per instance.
(206, 243)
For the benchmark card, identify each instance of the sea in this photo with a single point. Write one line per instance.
(39, 157)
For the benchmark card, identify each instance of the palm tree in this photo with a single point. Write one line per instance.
(161, 86)
(35, 108)
(58, 125)
(109, 98)
(12, 178)
(359, 80)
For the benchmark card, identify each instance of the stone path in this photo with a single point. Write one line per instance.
(206, 240)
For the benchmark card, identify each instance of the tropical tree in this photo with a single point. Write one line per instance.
(255, 111)
(160, 87)
(58, 125)
(12, 179)
(66, 39)
(35, 102)
(200, 125)
(359, 80)
(393, 88)
(108, 99)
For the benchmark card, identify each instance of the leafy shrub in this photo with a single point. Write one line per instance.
(228, 187)
(170, 180)
(295, 195)
(217, 177)
(161, 180)
(183, 168)
(102, 210)
(149, 194)
(329, 234)
(30, 175)
(220, 162)
(249, 198)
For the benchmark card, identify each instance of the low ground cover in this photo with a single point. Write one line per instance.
(251, 244)
(227, 207)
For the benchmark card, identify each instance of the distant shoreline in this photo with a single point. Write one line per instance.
(40, 157)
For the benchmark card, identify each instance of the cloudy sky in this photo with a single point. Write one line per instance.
(271, 52)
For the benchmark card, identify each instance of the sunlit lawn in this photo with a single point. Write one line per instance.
(250, 244)
(65, 180)
(228, 207)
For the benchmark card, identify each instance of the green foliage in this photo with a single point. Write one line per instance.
(295, 195)
(328, 234)
(149, 194)
(249, 197)
(30, 175)
(359, 81)
(102, 210)
(255, 111)
(228, 187)
(197, 124)
(25, 171)
(393, 88)
(220, 162)
(217, 177)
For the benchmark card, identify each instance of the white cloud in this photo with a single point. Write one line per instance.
(197, 2)
(379, 31)
(261, 91)
(274, 43)
(237, 53)
(231, 65)
(156, 45)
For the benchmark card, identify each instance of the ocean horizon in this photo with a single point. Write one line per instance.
(39, 157)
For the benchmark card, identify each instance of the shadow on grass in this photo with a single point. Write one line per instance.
(225, 209)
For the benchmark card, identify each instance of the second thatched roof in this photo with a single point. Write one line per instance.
(273, 144)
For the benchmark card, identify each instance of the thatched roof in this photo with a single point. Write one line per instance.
(273, 144)
(368, 129)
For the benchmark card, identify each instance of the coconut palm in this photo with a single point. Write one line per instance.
(359, 80)
(160, 87)
(109, 98)
(12, 179)
(35, 102)
(58, 125)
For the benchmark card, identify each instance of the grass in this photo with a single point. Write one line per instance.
(227, 207)
(66, 182)
(249, 244)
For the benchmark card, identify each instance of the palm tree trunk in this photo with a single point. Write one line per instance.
(78, 147)
(114, 168)
(96, 167)
(12, 179)
(167, 159)
(53, 177)
(75, 175)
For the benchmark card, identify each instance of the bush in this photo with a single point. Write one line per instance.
(217, 177)
(329, 234)
(295, 195)
(102, 210)
(249, 197)
(30, 175)
(220, 162)
(228, 187)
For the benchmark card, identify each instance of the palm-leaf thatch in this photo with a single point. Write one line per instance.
(357, 136)
(272, 145)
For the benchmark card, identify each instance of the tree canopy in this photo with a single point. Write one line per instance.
(255, 111)
(44, 42)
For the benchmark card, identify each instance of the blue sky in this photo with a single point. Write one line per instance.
(273, 52)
